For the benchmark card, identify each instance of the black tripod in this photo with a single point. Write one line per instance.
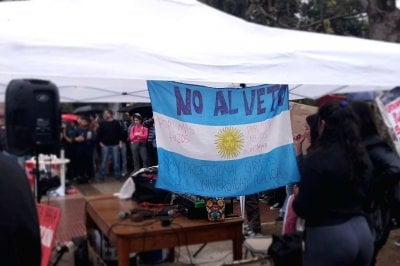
(37, 178)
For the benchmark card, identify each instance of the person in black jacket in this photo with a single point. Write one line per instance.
(84, 146)
(386, 175)
(333, 192)
(109, 135)
(19, 226)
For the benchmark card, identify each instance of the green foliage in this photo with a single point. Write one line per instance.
(341, 17)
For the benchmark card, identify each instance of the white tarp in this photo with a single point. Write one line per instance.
(103, 51)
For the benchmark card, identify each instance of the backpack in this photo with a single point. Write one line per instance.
(146, 191)
(287, 249)
(386, 165)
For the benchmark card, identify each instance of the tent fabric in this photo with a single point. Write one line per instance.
(104, 51)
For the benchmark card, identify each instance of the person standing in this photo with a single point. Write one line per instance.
(93, 127)
(386, 176)
(151, 142)
(335, 179)
(84, 145)
(20, 243)
(124, 155)
(252, 210)
(138, 137)
(109, 135)
(68, 134)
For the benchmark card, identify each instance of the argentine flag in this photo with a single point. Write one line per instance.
(222, 142)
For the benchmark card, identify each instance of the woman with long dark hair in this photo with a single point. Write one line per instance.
(333, 192)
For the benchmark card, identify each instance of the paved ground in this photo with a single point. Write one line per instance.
(72, 225)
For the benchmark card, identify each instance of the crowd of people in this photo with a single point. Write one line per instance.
(98, 147)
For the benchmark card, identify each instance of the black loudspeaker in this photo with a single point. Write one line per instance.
(33, 116)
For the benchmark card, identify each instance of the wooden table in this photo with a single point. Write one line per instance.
(128, 236)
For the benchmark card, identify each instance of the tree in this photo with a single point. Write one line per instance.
(341, 17)
(384, 19)
(375, 19)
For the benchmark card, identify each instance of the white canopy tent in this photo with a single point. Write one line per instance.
(104, 51)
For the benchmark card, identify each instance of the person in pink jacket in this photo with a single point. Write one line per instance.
(138, 140)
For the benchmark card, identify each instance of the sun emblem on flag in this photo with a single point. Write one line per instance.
(229, 142)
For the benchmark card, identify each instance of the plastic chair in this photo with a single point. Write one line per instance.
(257, 246)
(256, 261)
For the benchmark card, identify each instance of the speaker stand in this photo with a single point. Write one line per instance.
(37, 178)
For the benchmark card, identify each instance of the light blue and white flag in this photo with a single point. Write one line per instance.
(222, 142)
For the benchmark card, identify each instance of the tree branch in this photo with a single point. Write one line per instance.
(331, 18)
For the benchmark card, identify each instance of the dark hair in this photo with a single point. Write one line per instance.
(312, 122)
(138, 116)
(109, 111)
(148, 122)
(86, 118)
(365, 116)
(341, 126)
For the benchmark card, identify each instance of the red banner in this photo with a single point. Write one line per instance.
(49, 218)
